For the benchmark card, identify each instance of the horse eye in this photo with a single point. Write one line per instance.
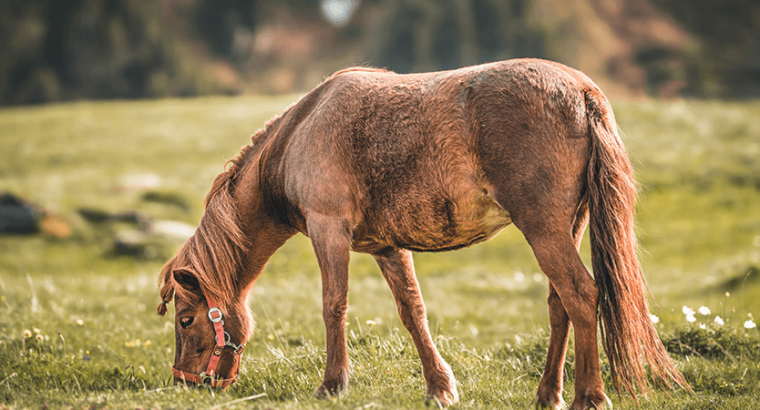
(186, 321)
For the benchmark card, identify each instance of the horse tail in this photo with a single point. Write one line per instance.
(627, 331)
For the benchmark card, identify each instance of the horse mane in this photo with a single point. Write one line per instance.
(359, 69)
(214, 253)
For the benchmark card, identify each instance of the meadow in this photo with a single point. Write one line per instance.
(78, 327)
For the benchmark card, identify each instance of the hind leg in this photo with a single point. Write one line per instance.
(547, 222)
(549, 395)
(398, 270)
(330, 239)
(578, 294)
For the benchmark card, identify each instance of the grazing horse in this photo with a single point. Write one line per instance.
(386, 164)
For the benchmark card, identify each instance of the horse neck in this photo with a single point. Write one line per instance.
(265, 232)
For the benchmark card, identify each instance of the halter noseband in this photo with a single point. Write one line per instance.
(222, 340)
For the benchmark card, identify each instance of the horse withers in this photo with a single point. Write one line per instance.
(386, 164)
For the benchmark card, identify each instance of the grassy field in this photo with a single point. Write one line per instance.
(77, 320)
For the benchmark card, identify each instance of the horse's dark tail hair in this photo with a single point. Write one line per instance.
(627, 331)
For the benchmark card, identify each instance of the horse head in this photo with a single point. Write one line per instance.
(210, 331)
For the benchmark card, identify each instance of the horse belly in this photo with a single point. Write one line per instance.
(470, 222)
(434, 225)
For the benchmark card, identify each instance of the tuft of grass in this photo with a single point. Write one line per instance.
(717, 342)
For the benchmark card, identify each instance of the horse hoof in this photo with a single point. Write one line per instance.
(540, 403)
(334, 385)
(597, 401)
(324, 393)
(442, 390)
(331, 392)
(442, 399)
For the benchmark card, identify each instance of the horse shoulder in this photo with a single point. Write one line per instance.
(314, 163)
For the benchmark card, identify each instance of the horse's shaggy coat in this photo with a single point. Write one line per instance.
(376, 162)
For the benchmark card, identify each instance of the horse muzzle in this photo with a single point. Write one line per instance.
(192, 379)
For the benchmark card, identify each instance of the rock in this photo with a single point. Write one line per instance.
(132, 242)
(166, 197)
(173, 230)
(53, 225)
(17, 216)
(139, 182)
(98, 216)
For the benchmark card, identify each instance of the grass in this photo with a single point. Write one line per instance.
(94, 340)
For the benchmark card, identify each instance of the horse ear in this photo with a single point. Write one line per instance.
(186, 278)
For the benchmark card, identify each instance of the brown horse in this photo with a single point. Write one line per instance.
(387, 164)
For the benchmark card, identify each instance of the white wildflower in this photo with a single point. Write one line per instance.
(718, 321)
(654, 318)
(690, 318)
(750, 324)
(687, 310)
(704, 311)
(702, 326)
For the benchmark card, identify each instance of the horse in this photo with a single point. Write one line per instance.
(386, 164)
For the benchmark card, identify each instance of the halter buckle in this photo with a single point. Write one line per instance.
(206, 378)
(215, 315)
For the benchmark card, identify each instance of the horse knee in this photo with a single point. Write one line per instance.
(334, 312)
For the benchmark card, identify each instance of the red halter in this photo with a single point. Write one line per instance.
(222, 340)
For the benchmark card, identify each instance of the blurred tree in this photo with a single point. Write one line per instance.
(424, 35)
(626, 41)
(729, 31)
(54, 50)
(218, 21)
(77, 49)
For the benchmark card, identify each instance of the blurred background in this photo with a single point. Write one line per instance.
(52, 50)
(95, 195)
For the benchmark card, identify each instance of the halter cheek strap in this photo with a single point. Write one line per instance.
(222, 340)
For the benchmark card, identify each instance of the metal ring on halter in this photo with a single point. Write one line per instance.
(226, 338)
(227, 342)
(215, 319)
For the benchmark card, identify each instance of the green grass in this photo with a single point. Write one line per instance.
(101, 344)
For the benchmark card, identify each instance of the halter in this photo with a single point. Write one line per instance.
(222, 339)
